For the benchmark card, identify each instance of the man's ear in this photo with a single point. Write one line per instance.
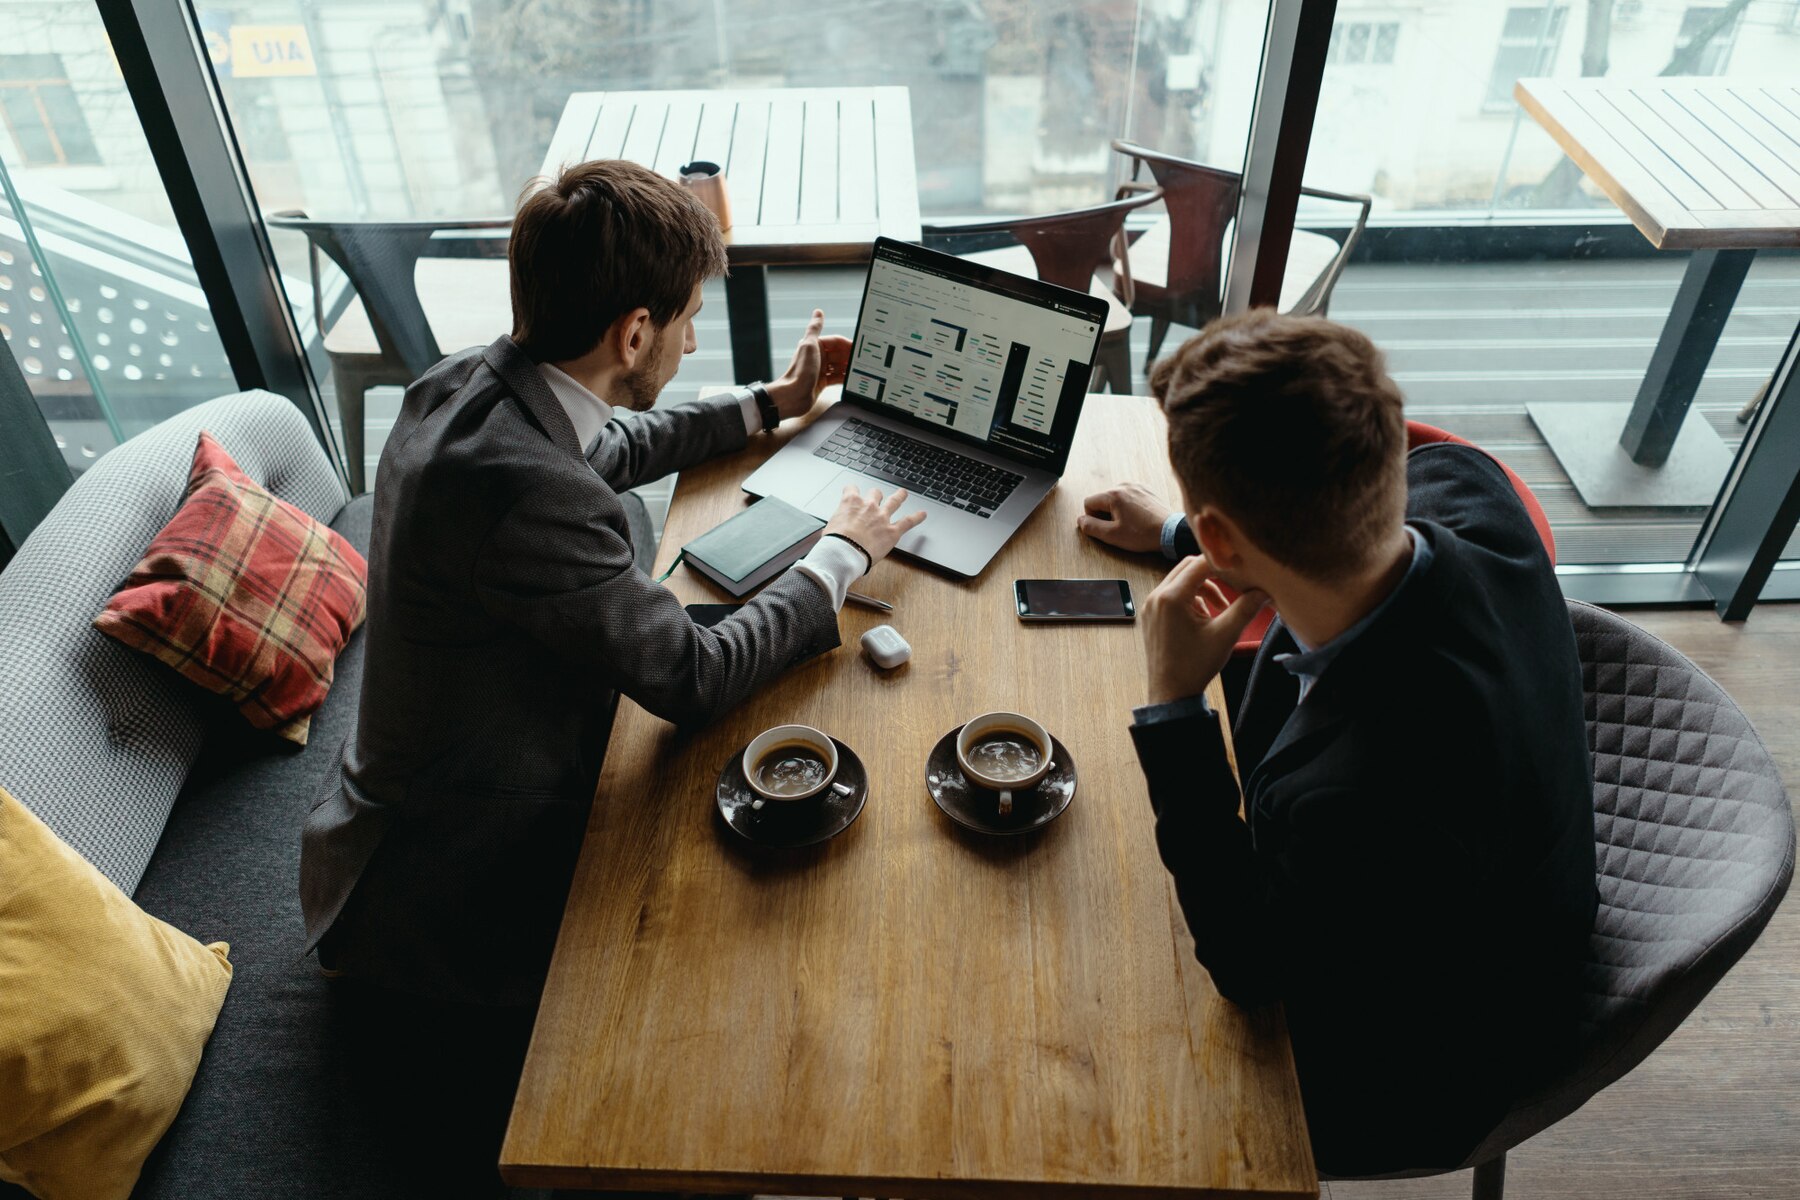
(1220, 539)
(630, 336)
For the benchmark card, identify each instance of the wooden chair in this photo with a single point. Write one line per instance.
(392, 332)
(1177, 267)
(1075, 249)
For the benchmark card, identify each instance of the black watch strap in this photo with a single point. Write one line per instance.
(765, 404)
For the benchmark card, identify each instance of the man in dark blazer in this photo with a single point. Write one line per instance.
(1412, 874)
(506, 609)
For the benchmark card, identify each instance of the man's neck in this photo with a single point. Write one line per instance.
(1318, 612)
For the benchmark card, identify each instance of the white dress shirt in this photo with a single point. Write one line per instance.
(833, 564)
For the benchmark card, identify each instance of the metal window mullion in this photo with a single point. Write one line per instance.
(1759, 504)
(183, 116)
(1295, 46)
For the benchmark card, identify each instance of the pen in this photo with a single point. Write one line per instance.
(868, 601)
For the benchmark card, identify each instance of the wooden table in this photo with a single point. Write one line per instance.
(909, 1009)
(814, 175)
(1701, 164)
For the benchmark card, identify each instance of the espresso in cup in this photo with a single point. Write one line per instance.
(791, 769)
(1005, 753)
(790, 763)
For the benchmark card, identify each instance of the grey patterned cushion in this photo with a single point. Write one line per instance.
(1695, 843)
(96, 739)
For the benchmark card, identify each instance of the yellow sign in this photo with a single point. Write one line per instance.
(258, 50)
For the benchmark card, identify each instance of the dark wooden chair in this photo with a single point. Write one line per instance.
(1177, 267)
(1075, 249)
(393, 331)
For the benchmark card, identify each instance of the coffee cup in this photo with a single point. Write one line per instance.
(1004, 752)
(707, 181)
(790, 763)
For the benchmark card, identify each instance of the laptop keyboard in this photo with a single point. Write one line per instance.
(920, 467)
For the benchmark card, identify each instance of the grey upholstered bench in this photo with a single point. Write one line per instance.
(198, 817)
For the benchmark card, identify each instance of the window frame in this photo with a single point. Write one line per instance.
(34, 87)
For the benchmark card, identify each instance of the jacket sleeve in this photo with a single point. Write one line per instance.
(1258, 913)
(1184, 544)
(555, 568)
(644, 447)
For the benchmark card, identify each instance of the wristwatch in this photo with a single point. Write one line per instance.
(765, 404)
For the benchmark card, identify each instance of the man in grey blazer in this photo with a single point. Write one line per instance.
(505, 608)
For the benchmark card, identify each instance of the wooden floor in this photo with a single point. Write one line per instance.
(1715, 1112)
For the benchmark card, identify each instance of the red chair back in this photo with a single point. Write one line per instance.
(1417, 434)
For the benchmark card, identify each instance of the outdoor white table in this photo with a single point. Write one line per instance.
(815, 175)
(1701, 164)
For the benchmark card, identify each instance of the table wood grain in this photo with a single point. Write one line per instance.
(909, 1009)
(1696, 163)
(814, 174)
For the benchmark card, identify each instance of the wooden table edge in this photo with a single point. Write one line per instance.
(1653, 230)
(615, 1179)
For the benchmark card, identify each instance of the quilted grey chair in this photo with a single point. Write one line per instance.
(1695, 848)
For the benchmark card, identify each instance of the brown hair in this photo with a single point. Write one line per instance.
(601, 239)
(1292, 427)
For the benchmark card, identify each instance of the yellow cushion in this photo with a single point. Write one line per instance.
(104, 1011)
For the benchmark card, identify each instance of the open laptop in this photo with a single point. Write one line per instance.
(964, 387)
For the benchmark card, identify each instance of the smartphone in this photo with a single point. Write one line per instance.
(1074, 600)
(711, 614)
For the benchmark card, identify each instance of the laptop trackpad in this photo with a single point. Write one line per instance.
(826, 500)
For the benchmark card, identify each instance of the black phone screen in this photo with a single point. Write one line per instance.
(1074, 600)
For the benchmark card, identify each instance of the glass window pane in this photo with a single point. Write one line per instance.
(25, 121)
(1485, 288)
(354, 112)
(1523, 24)
(1356, 46)
(1387, 35)
(105, 318)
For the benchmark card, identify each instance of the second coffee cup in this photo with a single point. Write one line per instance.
(1004, 752)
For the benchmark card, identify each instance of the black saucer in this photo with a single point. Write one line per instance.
(785, 824)
(977, 808)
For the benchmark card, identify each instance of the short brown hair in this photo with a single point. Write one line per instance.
(601, 239)
(1292, 427)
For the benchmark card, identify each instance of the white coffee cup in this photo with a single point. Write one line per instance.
(802, 736)
(993, 722)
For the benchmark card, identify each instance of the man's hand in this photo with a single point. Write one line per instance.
(1189, 629)
(819, 362)
(1128, 516)
(869, 521)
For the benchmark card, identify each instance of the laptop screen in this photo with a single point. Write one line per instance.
(992, 357)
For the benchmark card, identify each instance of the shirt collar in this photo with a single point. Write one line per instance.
(587, 412)
(1310, 663)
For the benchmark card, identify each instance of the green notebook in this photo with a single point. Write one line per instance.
(754, 546)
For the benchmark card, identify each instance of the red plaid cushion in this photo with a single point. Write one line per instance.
(245, 595)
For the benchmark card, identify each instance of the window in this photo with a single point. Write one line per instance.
(1528, 44)
(1712, 56)
(1363, 42)
(39, 109)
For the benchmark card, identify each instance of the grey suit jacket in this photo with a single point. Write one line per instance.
(505, 612)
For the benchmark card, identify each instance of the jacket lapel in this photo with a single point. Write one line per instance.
(526, 382)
